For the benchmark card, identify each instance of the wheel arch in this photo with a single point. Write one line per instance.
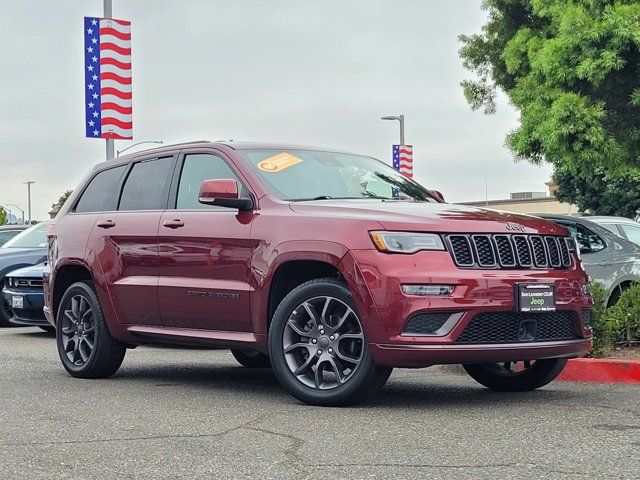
(65, 276)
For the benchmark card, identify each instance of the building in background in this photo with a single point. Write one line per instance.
(530, 202)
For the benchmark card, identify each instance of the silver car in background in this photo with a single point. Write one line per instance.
(621, 226)
(608, 258)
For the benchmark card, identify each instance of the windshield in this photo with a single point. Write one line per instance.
(33, 237)
(314, 175)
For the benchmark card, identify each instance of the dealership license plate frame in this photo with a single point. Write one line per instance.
(526, 292)
(17, 301)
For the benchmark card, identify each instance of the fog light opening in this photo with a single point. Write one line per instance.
(428, 290)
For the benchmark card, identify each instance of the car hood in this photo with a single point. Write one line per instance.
(35, 271)
(12, 258)
(429, 217)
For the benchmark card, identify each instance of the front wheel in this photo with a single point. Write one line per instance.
(516, 376)
(85, 346)
(5, 314)
(318, 349)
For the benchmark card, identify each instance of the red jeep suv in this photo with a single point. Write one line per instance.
(331, 268)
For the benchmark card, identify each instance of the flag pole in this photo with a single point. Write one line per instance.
(110, 142)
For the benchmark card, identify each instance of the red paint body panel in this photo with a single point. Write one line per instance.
(205, 275)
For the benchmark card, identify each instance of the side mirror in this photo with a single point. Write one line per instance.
(223, 193)
(438, 195)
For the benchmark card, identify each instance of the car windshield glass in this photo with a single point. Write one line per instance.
(34, 237)
(317, 175)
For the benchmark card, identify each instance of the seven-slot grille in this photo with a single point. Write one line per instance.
(509, 251)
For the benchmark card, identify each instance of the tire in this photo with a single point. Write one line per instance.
(5, 314)
(616, 294)
(251, 358)
(501, 377)
(304, 323)
(48, 329)
(105, 357)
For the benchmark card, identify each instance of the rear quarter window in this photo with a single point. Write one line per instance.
(100, 194)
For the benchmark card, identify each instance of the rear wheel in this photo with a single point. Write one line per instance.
(85, 346)
(251, 358)
(516, 376)
(318, 348)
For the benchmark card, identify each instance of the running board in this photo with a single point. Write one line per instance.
(194, 336)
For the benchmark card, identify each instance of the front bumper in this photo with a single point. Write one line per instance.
(376, 279)
(32, 311)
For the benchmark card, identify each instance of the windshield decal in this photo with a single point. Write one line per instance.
(279, 162)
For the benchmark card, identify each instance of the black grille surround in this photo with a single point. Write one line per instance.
(517, 327)
(509, 251)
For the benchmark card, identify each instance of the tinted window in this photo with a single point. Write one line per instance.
(587, 241)
(632, 232)
(7, 235)
(99, 195)
(147, 185)
(198, 168)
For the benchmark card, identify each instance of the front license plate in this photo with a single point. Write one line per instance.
(17, 302)
(536, 297)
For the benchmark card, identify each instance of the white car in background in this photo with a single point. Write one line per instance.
(621, 226)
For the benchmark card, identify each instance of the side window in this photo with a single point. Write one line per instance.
(587, 241)
(99, 196)
(632, 232)
(611, 227)
(196, 169)
(147, 185)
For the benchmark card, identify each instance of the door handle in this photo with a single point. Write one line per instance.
(173, 224)
(107, 224)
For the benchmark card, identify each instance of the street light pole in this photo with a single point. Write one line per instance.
(399, 118)
(28, 184)
(110, 141)
(136, 144)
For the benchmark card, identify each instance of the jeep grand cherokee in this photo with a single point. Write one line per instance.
(329, 267)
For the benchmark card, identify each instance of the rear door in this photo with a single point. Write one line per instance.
(205, 251)
(126, 240)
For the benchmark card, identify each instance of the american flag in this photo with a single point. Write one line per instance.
(403, 159)
(107, 63)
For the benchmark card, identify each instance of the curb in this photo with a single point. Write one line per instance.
(601, 370)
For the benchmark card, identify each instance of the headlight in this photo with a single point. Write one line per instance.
(405, 242)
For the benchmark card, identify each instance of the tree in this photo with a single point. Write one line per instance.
(572, 69)
(3, 216)
(55, 207)
(600, 193)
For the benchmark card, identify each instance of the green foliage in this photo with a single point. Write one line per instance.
(55, 207)
(601, 339)
(3, 216)
(623, 319)
(599, 191)
(618, 325)
(572, 69)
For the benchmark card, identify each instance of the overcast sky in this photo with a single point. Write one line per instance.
(317, 72)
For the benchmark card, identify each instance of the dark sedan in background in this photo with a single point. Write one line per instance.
(24, 250)
(24, 294)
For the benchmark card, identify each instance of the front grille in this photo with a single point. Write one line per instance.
(25, 283)
(425, 323)
(514, 327)
(509, 251)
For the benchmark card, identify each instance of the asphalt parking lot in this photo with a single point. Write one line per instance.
(195, 413)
